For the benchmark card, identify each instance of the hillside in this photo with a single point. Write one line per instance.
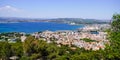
(57, 20)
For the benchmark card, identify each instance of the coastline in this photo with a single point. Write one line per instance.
(31, 27)
(88, 37)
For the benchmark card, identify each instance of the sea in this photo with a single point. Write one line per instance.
(31, 27)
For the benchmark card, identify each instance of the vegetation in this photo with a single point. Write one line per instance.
(88, 40)
(114, 37)
(33, 49)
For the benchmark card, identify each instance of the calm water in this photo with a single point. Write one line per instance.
(30, 27)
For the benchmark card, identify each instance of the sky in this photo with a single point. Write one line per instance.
(93, 9)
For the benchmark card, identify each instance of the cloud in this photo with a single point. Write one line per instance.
(10, 11)
(9, 8)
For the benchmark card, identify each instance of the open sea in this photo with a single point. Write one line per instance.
(31, 27)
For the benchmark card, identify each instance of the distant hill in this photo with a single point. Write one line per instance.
(57, 20)
(79, 21)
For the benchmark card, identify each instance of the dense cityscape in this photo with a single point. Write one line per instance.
(92, 33)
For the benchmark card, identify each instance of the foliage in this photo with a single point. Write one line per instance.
(88, 40)
(16, 49)
(116, 23)
(5, 50)
(113, 52)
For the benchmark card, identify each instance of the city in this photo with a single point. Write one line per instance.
(59, 29)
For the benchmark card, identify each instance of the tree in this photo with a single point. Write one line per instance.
(5, 50)
(28, 46)
(52, 51)
(17, 49)
(116, 23)
(34, 48)
(113, 52)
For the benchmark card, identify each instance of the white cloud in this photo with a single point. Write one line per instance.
(9, 8)
(10, 11)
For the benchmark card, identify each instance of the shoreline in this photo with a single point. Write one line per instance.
(31, 27)
(81, 26)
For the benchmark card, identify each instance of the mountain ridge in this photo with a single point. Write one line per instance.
(57, 20)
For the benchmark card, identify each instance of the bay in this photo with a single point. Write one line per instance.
(30, 27)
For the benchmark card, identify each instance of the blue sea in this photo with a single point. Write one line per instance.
(31, 27)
